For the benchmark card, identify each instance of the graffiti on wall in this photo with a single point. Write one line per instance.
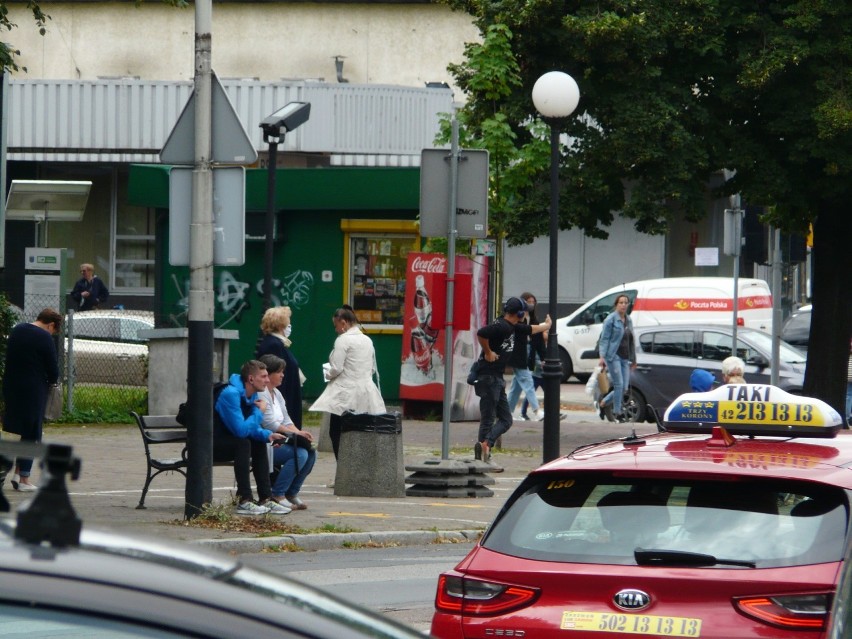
(233, 296)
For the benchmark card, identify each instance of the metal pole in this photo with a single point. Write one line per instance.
(776, 306)
(199, 479)
(451, 285)
(269, 245)
(552, 367)
(735, 205)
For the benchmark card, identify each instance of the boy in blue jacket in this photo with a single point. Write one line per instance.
(238, 436)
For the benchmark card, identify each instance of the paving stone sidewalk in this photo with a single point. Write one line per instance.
(113, 472)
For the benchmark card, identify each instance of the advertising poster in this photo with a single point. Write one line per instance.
(423, 339)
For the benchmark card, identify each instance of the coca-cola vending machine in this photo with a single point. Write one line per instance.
(423, 338)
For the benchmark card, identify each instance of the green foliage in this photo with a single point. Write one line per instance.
(105, 405)
(8, 319)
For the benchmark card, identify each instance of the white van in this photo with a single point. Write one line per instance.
(674, 300)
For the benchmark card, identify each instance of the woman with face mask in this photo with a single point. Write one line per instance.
(276, 328)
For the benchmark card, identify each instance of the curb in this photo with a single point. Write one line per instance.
(336, 541)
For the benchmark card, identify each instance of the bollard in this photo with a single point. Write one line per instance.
(370, 460)
(324, 443)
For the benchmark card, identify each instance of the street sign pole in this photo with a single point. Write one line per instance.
(199, 481)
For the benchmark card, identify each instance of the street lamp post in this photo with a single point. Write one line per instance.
(284, 120)
(555, 96)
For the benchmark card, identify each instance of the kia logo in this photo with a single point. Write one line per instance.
(631, 599)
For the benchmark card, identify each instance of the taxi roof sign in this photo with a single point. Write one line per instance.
(752, 409)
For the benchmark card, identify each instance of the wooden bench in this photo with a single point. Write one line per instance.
(160, 429)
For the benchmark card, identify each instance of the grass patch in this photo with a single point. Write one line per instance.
(220, 516)
(104, 404)
(355, 545)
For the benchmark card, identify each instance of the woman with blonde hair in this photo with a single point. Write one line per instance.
(277, 326)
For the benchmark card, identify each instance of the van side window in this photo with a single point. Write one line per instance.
(598, 310)
(717, 347)
(676, 343)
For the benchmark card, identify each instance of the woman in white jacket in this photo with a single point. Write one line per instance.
(349, 375)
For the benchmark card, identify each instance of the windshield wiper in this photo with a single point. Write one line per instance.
(654, 557)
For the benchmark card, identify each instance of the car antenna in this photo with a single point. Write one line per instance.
(49, 517)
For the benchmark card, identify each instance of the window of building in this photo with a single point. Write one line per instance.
(133, 245)
(376, 257)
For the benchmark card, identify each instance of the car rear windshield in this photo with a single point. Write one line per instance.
(604, 520)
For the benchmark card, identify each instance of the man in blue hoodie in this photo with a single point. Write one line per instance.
(238, 436)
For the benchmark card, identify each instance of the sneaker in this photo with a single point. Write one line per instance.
(251, 508)
(296, 503)
(277, 508)
(601, 411)
(485, 449)
(477, 451)
(520, 417)
(622, 418)
(539, 414)
(26, 488)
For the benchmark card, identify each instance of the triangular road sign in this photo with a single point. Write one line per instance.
(231, 144)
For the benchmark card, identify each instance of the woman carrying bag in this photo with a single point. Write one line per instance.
(349, 374)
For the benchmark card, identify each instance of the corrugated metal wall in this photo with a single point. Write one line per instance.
(118, 120)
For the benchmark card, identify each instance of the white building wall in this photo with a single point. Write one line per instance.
(587, 266)
(400, 44)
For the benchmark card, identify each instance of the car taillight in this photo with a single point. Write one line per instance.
(462, 595)
(796, 612)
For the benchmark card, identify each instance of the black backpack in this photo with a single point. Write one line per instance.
(182, 416)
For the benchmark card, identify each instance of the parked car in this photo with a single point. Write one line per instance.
(797, 328)
(673, 300)
(107, 348)
(58, 581)
(732, 524)
(667, 355)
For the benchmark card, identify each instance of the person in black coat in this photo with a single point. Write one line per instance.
(90, 290)
(276, 328)
(31, 367)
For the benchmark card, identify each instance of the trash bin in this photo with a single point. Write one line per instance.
(370, 461)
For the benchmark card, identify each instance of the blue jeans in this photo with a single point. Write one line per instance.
(619, 372)
(536, 383)
(495, 418)
(289, 482)
(523, 381)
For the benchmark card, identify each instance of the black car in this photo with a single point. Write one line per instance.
(667, 355)
(59, 580)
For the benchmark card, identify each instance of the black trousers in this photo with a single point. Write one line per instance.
(249, 457)
(335, 424)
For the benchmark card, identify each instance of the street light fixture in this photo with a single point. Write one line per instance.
(286, 119)
(555, 96)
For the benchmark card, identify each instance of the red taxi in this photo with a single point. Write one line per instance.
(731, 523)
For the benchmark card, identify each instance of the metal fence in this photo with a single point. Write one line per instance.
(103, 362)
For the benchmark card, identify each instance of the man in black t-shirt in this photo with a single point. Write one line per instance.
(498, 342)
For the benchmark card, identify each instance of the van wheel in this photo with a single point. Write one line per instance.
(567, 366)
(635, 406)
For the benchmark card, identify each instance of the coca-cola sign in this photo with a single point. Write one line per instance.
(435, 264)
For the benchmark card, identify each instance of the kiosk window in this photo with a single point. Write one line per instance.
(376, 268)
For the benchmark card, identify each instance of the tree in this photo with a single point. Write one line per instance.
(671, 94)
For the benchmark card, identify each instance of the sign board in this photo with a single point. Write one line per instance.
(230, 143)
(472, 198)
(43, 280)
(229, 215)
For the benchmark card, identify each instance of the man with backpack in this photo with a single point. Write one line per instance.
(239, 436)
